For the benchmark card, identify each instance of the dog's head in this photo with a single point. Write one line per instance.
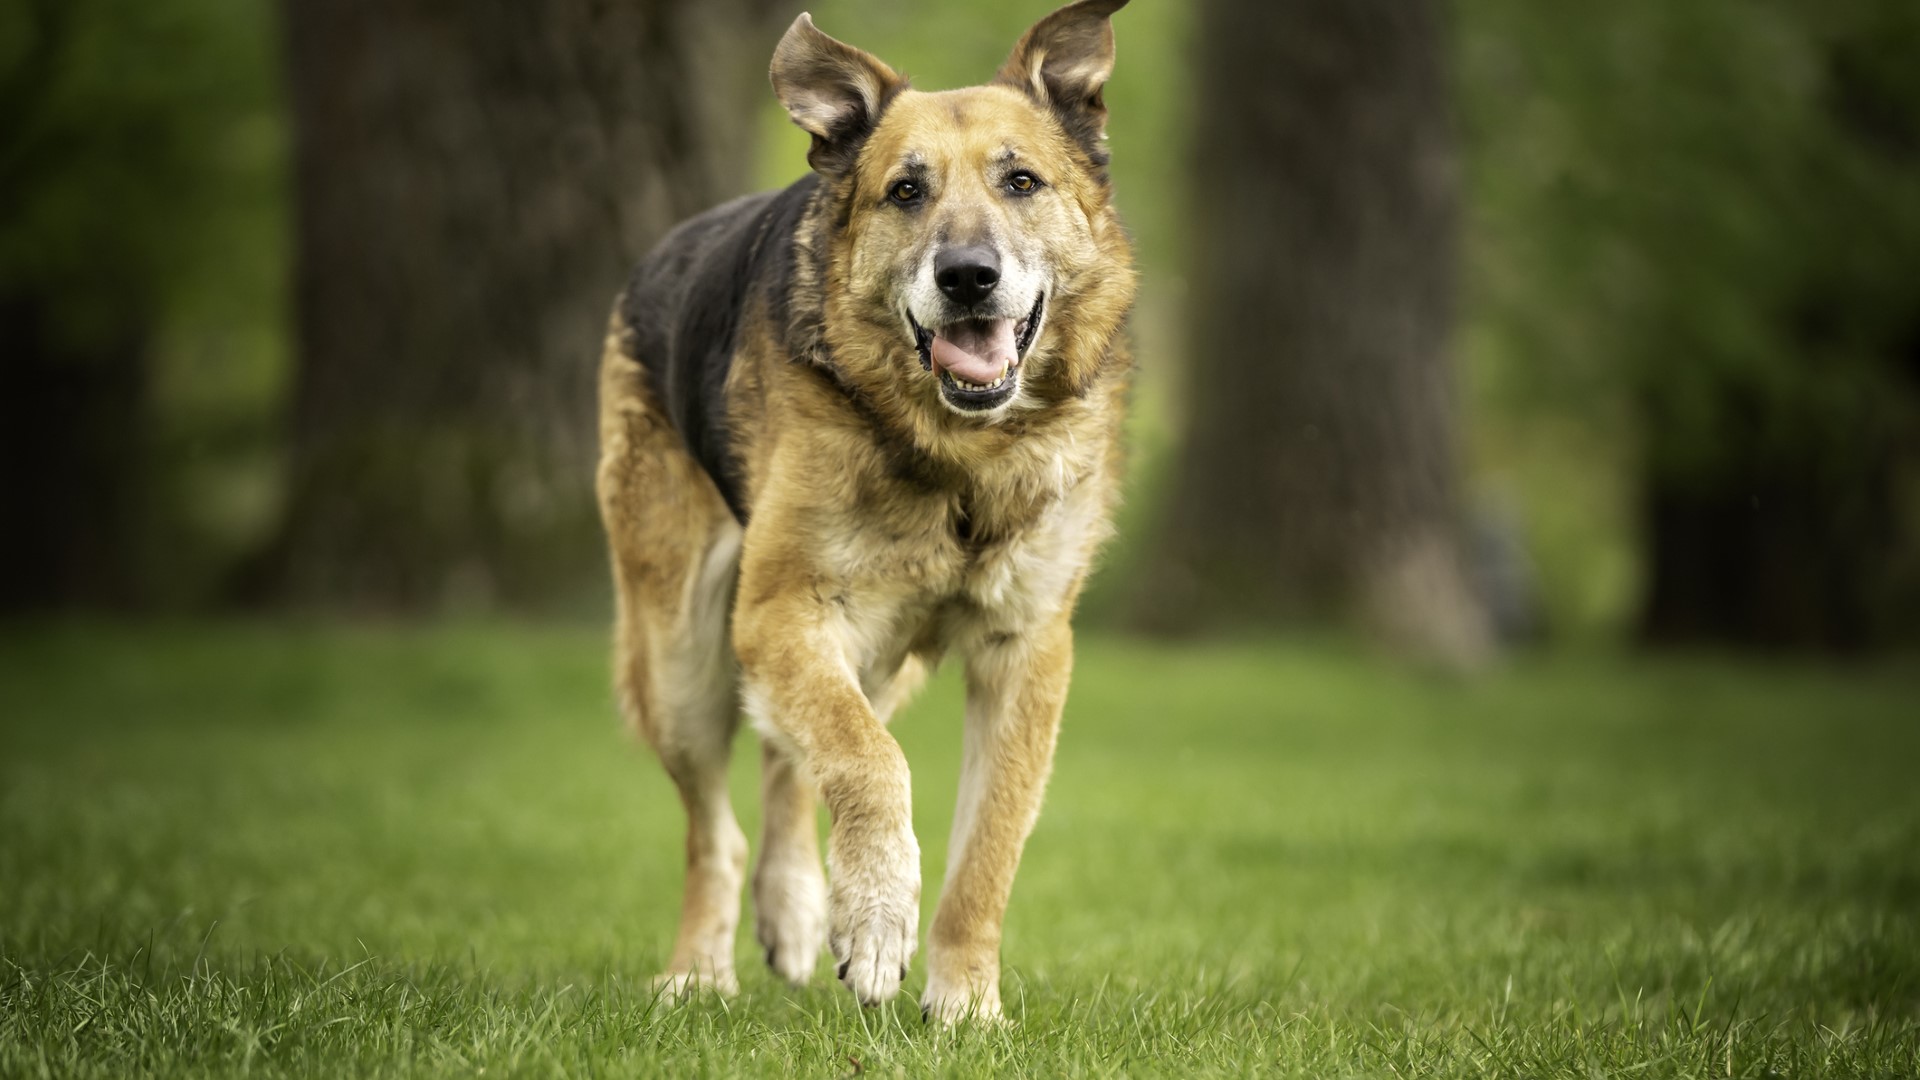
(963, 221)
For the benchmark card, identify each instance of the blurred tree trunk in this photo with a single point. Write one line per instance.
(1780, 541)
(1319, 474)
(474, 180)
(73, 443)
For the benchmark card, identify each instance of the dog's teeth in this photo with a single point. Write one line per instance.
(974, 387)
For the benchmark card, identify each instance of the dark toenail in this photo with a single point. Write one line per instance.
(843, 967)
(769, 956)
(903, 973)
(926, 1013)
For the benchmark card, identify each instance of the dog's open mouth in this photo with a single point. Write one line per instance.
(978, 360)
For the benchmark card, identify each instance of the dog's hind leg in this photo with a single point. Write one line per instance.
(675, 551)
(789, 888)
(691, 699)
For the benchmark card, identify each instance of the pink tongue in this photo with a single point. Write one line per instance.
(977, 350)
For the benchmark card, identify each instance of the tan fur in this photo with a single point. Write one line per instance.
(885, 531)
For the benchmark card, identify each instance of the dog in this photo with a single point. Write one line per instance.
(846, 429)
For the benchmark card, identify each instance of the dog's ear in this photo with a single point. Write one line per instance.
(832, 90)
(1064, 63)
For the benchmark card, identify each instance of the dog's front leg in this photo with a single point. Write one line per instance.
(801, 689)
(1015, 690)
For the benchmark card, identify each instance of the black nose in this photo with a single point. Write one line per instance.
(966, 274)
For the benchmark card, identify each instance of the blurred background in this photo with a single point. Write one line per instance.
(1463, 327)
(1573, 346)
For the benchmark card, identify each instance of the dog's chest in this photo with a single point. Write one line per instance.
(975, 570)
(1016, 575)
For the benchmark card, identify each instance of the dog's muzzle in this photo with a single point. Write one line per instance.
(978, 360)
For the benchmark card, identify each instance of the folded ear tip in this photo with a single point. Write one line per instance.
(1081, 11)
(802, 27)
(795, 41)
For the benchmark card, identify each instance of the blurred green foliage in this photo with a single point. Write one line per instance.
(1705, 212)
(1662, 200)
(1664, 189)
(143, 162)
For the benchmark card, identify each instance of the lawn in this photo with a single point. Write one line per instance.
(405, 852)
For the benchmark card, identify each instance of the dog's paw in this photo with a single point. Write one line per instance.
(790, 915)
(948, 1009)
(961, 993)
(677, 986)
(875, 915)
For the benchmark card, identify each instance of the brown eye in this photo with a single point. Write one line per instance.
(1023, 183)
(904, 192)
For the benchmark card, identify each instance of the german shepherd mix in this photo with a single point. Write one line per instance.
(846, 428)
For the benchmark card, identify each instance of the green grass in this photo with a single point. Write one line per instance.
(385, 852)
